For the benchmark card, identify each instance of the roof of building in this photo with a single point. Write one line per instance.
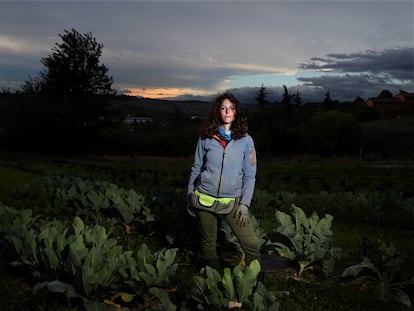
(385, 100)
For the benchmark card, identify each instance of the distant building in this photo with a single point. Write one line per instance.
(405, 97)
(401, 103)
(131, 121)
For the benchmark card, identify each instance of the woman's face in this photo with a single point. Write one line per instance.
(227, 111)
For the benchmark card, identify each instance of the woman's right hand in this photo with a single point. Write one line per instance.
(190, 208)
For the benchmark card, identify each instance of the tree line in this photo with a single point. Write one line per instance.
(66, 109)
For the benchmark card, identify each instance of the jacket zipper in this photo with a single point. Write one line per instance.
(221, 171)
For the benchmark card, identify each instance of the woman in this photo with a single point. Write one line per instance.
(222, 179)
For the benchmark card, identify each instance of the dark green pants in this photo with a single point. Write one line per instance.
(208, 229)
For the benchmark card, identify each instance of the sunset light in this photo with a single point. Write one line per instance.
(165, 92)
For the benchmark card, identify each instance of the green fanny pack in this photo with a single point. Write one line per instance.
(212, 204)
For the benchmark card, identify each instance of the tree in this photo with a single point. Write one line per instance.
(33, 86)
(68, 103)
(327, 98)
(328, 103)
(73, 68)
(332, 133)
(286, 97)
(298, 99)
(261, 97)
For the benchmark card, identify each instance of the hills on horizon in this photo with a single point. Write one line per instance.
(139, 106)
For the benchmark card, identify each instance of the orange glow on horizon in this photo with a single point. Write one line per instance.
(164, 92)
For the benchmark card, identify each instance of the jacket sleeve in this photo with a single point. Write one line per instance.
(249, 172)
(197, 165)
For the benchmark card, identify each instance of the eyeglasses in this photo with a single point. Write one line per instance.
(225, 108)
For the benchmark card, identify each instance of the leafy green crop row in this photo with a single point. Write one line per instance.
(388, 209)
(81, 257)
(72, 243)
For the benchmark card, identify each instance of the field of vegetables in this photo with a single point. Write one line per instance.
(113, 234)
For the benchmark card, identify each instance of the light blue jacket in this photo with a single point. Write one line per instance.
(228, 172)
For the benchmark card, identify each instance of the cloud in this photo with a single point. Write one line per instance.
(202, 47)
(394, 64)
(364, 74)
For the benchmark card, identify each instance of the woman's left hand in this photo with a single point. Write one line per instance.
(242, 214)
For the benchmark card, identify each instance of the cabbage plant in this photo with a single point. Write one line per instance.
(310, 239)
(237, 288)
(382, 275)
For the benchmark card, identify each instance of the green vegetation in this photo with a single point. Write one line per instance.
(235, 289)
(382, 274)
(10, 178)
(310, 240)
(82, 261)
(147, 231)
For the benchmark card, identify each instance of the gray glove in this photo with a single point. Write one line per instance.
(189, 206)
(242, 213)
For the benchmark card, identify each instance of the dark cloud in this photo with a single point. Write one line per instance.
(363, 74)
(394, 64)
(348, 87)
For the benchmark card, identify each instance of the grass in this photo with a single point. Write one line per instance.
(351, 238)
(10, 178)
(327, 296)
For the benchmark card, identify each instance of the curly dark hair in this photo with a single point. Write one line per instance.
(238, 127)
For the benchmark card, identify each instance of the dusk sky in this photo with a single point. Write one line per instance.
(186, 49)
